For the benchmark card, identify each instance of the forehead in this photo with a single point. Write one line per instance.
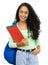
(23, 8)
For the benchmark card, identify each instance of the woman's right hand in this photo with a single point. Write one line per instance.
(24, 42)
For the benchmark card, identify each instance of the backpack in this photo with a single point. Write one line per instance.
(10, 53)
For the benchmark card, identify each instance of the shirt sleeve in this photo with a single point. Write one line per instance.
(12, 44)
(37, 42)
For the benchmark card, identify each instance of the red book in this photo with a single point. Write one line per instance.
(15, 33)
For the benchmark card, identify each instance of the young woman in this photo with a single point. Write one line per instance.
(29, 25)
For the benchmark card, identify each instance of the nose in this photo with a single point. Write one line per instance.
(23, 14)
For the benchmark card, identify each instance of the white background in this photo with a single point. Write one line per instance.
(7, 15)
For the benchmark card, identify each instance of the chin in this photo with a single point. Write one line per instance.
(22, 20)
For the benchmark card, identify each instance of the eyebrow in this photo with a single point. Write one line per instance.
(24, 11)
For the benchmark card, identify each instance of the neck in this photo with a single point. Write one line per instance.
(22, 22)
(22, 25)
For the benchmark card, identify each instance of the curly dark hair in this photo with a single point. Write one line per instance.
(33, 22)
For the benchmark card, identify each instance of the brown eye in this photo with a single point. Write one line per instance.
(26, 12)
(21, 11)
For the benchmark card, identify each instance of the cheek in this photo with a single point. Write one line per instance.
(19, 15)
(26, 16)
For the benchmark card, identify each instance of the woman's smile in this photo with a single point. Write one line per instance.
(22, 17)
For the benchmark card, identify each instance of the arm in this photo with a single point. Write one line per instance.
(12, 44)
(37, 50)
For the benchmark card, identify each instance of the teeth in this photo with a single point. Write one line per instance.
(23, 17)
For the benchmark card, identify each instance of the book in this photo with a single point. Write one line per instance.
(15, 33)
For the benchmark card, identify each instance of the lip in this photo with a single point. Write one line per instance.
(22, 17)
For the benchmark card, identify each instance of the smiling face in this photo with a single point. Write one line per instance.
(23, 13)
